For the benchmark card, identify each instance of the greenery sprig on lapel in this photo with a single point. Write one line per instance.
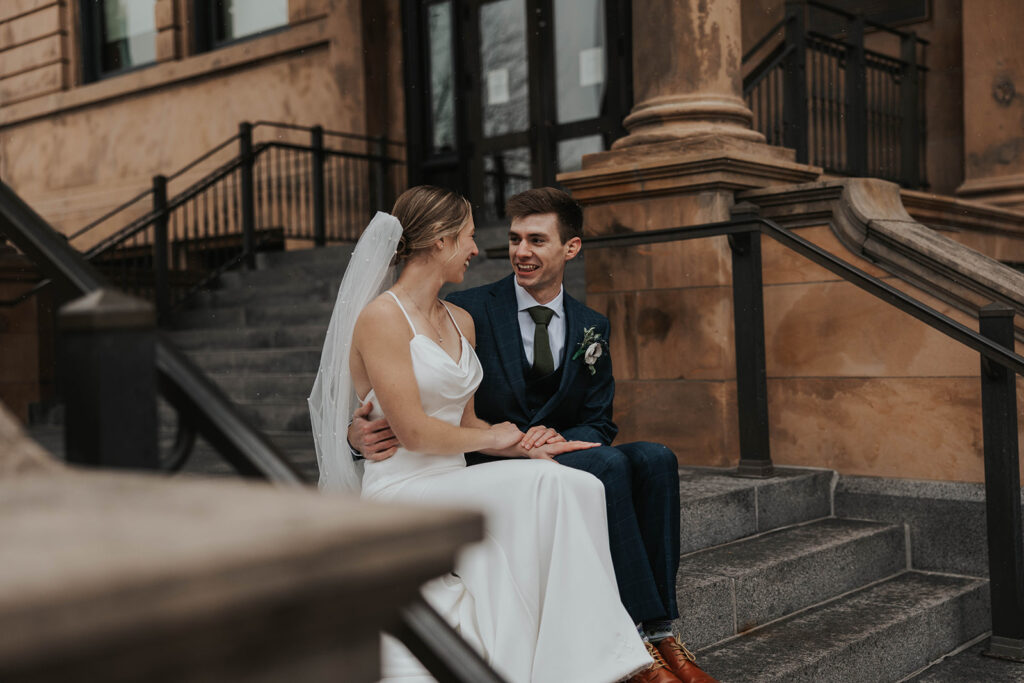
(591, 348)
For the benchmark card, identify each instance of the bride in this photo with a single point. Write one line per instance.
(528, 596)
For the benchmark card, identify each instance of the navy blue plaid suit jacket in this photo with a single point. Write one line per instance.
(640, 479)
(580, 409)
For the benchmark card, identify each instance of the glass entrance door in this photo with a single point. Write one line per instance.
(505, 94)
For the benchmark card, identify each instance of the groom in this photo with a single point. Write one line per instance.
(545, 361)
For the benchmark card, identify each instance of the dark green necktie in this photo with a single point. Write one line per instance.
(543, 363)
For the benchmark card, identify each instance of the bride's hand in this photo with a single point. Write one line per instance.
(549, 450)
(504, 435)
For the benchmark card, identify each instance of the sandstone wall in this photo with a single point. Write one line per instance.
(74, 150)
(854, 384)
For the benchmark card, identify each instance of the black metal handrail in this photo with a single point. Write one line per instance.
(267, 192)
(197, 400)
(1000, 365)
(840, 105)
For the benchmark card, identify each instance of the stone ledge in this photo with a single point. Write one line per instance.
(294, 38)
(683, 166)
(869, 218)
(130, 577)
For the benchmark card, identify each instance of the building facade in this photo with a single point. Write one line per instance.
(630, 105)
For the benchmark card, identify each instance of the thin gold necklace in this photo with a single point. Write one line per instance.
(440, 337)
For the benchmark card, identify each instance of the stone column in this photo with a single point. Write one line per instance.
(690, 148)
(993, 103)
(687, 56)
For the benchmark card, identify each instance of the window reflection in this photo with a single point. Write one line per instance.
(505, 173)
(503, 67)
(571, 151)
(580, 59)
(240, 18)
(127, 30)
(442, 78)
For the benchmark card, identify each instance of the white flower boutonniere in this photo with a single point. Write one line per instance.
(591, 348)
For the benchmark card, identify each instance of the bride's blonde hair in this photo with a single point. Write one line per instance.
(427, 214)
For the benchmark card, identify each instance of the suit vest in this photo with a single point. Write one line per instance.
(540, 389)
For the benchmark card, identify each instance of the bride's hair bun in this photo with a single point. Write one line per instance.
(402, 250)
(428, 213)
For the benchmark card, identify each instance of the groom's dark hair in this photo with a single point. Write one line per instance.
(548, 200)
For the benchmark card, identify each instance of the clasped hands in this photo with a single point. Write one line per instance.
(375, 440)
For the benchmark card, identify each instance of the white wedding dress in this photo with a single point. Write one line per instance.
(537, 597)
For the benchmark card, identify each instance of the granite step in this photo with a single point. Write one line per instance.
(207, 462)
(305, 273)
(299, 313)
(269, 336)
(295, 359)
(329, 255)
(880, 633)
(971, 665)
(733, 588)
(283, 293)
(274, 387)
(263, 415)
(726, 507)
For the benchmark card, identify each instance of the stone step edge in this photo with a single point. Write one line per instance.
(833, 599)
(766, 532)
(966, 646)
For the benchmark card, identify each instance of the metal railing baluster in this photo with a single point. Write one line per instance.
(1002, 489)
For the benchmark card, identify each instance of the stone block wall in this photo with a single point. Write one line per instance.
(854, 384)
(33, 49)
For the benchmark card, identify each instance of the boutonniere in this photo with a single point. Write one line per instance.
(591, 348)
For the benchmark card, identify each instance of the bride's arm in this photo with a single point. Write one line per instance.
(380, 354)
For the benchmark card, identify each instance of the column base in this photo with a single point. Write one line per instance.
(1003, 191)
(684, 117)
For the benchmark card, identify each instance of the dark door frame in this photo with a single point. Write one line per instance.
(465, 164)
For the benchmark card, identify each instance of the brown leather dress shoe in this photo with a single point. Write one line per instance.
(681, 662)
(657, 673)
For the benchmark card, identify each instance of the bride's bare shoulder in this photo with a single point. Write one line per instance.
(380, 315)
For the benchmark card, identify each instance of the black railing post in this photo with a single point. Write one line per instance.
(856, 100)
(794, 87)
(751, 375)
(107, 376)
(319, 159)
(1002, 489)
(441, 650)
(161, 276)
(380, 172)
(910, 133)
(247, 193)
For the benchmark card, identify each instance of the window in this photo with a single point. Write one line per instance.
(224, 21)
(117, 35)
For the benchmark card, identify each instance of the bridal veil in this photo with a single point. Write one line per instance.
(370, 272)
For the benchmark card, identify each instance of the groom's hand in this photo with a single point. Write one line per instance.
(373, 439)
(540, 435)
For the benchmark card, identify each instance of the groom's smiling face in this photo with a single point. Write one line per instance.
(539, 255)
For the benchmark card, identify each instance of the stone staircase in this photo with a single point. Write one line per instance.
(772, 587)
(259, 337)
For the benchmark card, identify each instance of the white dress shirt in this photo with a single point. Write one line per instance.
(556, 328)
